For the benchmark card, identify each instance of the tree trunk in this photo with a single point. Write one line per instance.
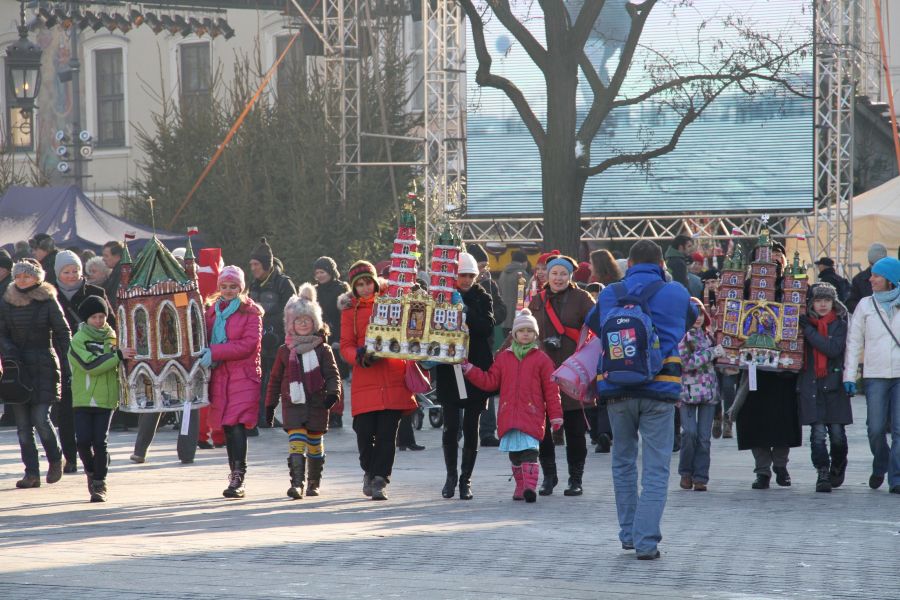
(562, 188)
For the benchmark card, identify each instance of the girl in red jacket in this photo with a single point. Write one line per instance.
(527, 398)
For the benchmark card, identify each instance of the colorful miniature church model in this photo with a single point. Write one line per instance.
(160, 316)
(414, 324)
(757, 329)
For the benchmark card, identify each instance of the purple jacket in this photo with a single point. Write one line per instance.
(234, 384)
(699, 384)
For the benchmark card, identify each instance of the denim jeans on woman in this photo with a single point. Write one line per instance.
(640, 514)
(883, 407)
(31, 417)
(696, 431)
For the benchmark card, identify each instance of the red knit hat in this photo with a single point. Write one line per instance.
(360, 269)
(707, 321)
(582, 273)
(543, 258)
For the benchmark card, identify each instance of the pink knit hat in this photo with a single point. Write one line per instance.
(233, 274)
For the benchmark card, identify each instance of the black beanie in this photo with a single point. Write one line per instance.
(91, 306)
(477, 252)
(263, 253)
(6, 261)
(327, 264)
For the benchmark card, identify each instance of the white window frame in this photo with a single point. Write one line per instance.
(192, 305)
(123, 327)
(395, 311)
(106, 41)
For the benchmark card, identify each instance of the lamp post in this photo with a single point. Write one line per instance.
(23, 70)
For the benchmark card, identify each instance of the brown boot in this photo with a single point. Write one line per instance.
(54, 472)
(29, 481)
(687, 482)
(726, 428)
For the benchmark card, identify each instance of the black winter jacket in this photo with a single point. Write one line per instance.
(480, 320)
(824, 400)
(327, 295)
(31, 324)
(272, 293)
(860, 288)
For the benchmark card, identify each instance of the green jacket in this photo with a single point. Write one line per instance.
(94, 361)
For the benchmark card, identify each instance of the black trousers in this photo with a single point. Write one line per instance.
(91, 438)
(576, 447)
(61, 414)
(602, 424)
(523, 456)
(235, 445)
(406, 435)
(376, 439)
(470, 419)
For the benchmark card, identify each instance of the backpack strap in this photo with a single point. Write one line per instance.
(641, 299)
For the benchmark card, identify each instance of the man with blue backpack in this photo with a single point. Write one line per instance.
(640, 321)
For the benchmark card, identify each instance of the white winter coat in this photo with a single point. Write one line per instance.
(869, 340)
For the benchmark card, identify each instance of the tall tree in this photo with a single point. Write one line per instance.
(684, 87)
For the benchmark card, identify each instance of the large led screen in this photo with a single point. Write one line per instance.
(748, 151)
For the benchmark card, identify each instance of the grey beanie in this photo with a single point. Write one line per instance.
(29, 266)
(877, 251)
(327, 264)
(66, 258)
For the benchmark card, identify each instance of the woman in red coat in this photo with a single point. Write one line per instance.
(234, 323)
(378, 393)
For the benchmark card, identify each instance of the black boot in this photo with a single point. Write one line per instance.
(235, 487)
(465, 473)
(297, 469)
(98, 491)
(550, 478)
(823, 483)
(782, 477)
(604, 443)
(316, 465)
(576, 472)
(837, 473)
(450, 453)
(762, 482)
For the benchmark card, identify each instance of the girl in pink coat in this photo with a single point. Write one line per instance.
(234, 323)
(527, 399)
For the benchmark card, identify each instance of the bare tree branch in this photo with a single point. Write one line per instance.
(534, 49)
(585, 21)
(485, 78)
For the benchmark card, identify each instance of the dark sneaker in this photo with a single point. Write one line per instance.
(762, 482)
(782, 477)
(875, 481)
(651, 556)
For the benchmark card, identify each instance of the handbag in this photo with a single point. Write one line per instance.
(577, 374)
(15, 384)
(415, 380)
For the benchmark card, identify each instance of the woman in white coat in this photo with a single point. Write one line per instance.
(875, 337)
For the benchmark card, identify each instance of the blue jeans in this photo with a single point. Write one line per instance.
(28, 418)
(883, 406)
(639, 515)
(696, 431)
(817, 435)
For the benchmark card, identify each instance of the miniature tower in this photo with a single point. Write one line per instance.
(125, 277)
(190, 264)
(444, 266)
(728, 300)
(405, 257)
(794, 285)
(763, 273)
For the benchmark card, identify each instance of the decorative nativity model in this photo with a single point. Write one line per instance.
(757, 329)
(160, 315)
(413, 324)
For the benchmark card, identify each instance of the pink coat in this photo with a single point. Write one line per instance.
(234, 387)
(528, 397)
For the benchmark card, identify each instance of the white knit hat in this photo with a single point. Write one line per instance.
(467, 264)
(524, 320)
(303, 304)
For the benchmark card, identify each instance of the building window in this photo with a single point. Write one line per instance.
(291, 77)
(169, 338)
(196, 76)
(110, 81)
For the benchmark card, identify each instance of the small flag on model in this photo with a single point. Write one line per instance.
(193, 230)
(130, 235)
(801, 237)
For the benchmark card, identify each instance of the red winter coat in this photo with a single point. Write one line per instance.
(528, 397)
(381, 386)
(235, 382)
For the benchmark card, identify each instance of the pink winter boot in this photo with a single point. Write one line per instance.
(520, 482)
(530, 474)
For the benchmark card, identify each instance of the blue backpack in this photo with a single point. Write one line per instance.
(630, 354)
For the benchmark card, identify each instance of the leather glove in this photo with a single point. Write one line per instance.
(206, 358)
(270, 416)
(330, 400)
(360, 356)
(850, 388)
(804, 321)
(555, 424)
(369, 360)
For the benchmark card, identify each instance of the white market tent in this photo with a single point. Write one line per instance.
(876, 218)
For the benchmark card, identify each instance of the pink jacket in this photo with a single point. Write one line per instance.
(528, 397)
(234, 386)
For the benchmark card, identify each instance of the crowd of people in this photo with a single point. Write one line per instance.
(270, 343)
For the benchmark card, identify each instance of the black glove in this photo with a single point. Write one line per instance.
(330, 400)
(804, 322)
(270, 416)
(361, 357)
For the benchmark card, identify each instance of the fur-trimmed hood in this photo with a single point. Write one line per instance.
(41, 293)
(345, 300)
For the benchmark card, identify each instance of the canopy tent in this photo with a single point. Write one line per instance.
(876, 218)
(70, 218)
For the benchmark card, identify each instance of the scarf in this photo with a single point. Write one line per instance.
(820, 360)
(37, 285)
(520, 350)
(223, 311)
(888, 299)
(304, 373)
(67, 291)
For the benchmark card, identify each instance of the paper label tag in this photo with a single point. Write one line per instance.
(180, 300)
(751, 371)
(460, 382)
(186, 418)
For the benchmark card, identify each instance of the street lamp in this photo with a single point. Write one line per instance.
(23, 68)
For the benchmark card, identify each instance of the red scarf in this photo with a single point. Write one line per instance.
(821, 361)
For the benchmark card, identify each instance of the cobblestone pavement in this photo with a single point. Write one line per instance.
(166, 532)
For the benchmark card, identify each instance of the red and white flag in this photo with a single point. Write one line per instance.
(193, 230)
(130, 235)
